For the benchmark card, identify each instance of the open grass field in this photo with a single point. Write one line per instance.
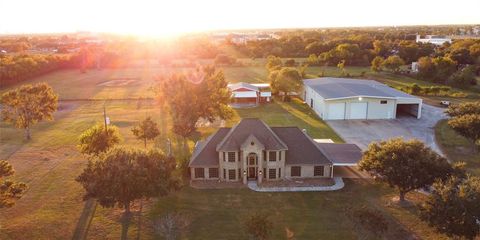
(130, 83)
(49, 163)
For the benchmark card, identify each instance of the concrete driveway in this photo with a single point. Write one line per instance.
(363, 132)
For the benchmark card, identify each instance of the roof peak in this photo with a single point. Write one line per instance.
(246, 127)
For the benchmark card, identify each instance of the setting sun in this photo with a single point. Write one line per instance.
(160, 18)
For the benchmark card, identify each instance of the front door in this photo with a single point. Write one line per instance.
(252, 173)
(252, 162)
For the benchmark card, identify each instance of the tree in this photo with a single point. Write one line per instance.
(453, 207)
(377, 64)
(312, 60)
(202, 94)
(28, 105)
(273, 63)
(285, 80)
(393, 63)
(464, 77)
(382, 48)
(461, 56)
(475, 51)
(408, 50)
(347, 52)
(95, 140)
(9, 190)
(316, 48)
(406, 165)
(426, 68)
(146, 130)
(437, 69)
(258, 226)
(444, 68)
(126, 175)
(456, 110)
(467, 125)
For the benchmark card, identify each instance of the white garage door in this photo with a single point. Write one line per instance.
(336, 111)
(358, 110)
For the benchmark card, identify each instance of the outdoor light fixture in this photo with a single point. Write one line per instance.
(260, 172)
(244, 172)
(360, 98)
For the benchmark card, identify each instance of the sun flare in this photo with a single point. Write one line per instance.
(167, 18)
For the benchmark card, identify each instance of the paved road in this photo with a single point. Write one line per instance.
(363, 132)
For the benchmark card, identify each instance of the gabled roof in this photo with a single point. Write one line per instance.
(338, 88)
(301, 148)
(247, 126)
(234, 86)
(204, 153)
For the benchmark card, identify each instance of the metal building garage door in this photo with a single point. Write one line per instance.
(358, 110)
(336, 111)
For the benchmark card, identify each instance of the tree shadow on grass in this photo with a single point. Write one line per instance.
(85, 220)
(125, 220)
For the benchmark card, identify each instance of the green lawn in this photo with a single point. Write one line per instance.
(293, 113)
(456, 147)
(220, 214)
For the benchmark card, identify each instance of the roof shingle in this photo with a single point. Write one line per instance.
(301, 148)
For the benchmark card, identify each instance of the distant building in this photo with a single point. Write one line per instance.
(242, 38)
(250, 93)
(476, 30)
(414, 67)
(434, 39)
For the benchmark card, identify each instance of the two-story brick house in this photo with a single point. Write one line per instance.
(251, 150)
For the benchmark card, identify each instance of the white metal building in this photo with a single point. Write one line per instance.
(433, 39)
(343, 98)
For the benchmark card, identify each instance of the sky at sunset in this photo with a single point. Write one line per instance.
(160, 17)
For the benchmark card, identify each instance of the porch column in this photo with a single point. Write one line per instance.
(244, 167)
